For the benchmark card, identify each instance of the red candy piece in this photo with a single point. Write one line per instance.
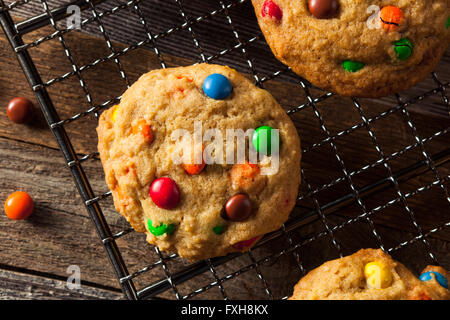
(19, 110)
(241, 245)
(271, 9)
(165, 193)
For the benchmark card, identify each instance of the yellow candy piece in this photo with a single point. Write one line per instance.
(114, 113)
(378, 276)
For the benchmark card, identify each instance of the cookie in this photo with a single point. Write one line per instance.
(204, 205)
(371, 274)
(358, 48)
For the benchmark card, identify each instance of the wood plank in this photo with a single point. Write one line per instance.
(20, 286)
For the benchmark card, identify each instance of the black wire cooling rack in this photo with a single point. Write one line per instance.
(241, 56)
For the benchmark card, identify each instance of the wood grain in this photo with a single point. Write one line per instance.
(60, 233)
(21, 286)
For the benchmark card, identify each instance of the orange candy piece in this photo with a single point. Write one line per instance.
(392, 18)
(19, 205)
(193, 168)
(143, 128)
(244, 174)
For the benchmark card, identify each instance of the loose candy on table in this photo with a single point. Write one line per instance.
(392, 18)
(378, 276)
(165, 193)
(428, 276)
(238, 208)
(161, 229)
(403, 49)
(217, 86)
(19, 110)
(262, 140)
(19, 205)
(271, 10)
(352, 66)
(323, 9)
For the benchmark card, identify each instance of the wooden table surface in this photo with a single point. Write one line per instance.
(35, 254)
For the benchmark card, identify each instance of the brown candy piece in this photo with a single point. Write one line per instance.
(19, 110)
(238, 207)
(323, 9)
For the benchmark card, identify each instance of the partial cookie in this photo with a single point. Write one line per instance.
(199, 209)
(371, 274)
(357, 47)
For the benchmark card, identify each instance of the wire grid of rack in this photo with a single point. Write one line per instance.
(357, 195)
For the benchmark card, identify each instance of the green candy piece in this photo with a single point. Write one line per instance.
(352, 66)
(403, 49)
(218, 229)
(262, 140)
(161, 229)
(447, 25)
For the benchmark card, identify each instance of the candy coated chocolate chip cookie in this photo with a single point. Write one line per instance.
(371, 274)
(196, 198)
(357, 47)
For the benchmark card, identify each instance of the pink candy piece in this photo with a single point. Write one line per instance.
(271, 9)
(241, 245)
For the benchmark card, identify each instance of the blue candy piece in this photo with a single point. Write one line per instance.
(439, 278)
(217, 86)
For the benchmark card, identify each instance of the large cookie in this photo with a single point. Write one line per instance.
(360, 48)
(203, 208)
(371, 274)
